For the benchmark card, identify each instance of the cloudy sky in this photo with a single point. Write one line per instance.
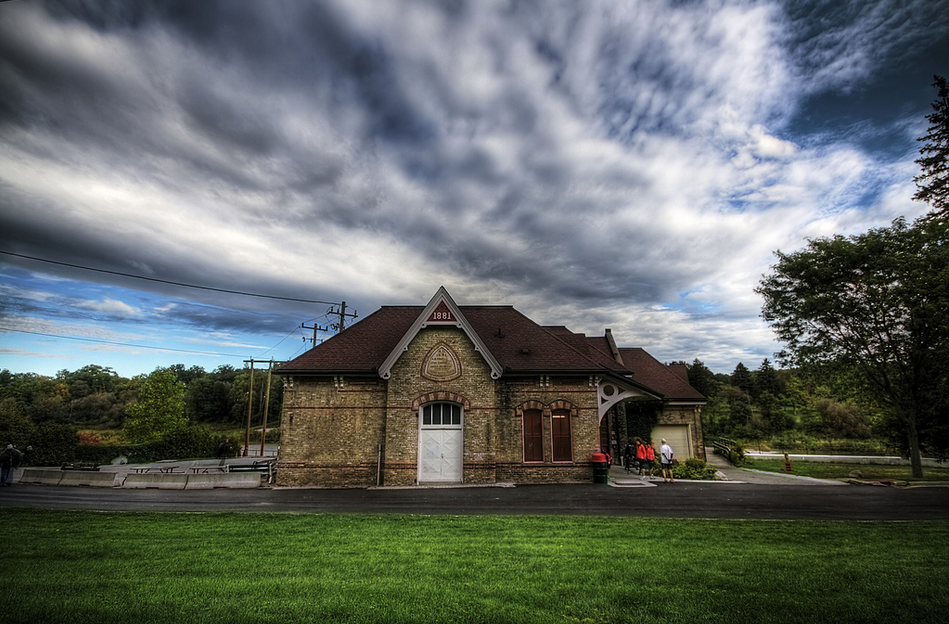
(631, 165)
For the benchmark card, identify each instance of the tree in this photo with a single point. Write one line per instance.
(739, 407)
(187, 375)
(209, 400)
(933, 183)
(702, 379)
(766, 380)
(89, 379)
(876, 302)
(160, 408)
(741, 379)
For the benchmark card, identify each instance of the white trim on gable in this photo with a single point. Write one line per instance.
(457, 320)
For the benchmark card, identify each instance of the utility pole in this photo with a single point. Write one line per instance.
(315, 329)
(263, 432)
(250, 405)
(338, 310)
(342, 314)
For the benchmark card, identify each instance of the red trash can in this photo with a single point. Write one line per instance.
(601, 468)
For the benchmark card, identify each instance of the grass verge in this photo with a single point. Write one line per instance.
(105, 567)
(821, 470)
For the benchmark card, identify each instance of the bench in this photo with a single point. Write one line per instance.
(153, 470)
(209, 469)
(81, 466)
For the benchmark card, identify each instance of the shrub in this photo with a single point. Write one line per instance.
(86, 437)
(693, 469)
(736, 454)
(192, 442)
(52, 445)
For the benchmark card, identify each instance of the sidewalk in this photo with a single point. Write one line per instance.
(620, 478)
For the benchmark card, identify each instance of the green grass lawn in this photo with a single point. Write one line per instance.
(131, 567)
(820, 470)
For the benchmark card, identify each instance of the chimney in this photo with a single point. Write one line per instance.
(612, 343)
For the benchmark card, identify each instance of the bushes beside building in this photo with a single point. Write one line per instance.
(191, 442)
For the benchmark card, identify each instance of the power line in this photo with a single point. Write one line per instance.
(292, 331)
(161, 281)
(121, 344)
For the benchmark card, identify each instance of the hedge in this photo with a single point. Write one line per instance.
(191, 442)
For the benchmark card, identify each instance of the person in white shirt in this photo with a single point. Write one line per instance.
(666, 458)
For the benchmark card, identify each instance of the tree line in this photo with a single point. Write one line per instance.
(144, 407)
(770, 403)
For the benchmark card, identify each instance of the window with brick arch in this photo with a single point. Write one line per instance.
(533, 436)
(560, 433)
(441, 414)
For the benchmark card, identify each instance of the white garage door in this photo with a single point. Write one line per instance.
(677, 436)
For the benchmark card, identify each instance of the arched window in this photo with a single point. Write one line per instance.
(441, 414)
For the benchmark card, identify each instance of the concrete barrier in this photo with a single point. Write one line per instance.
(41, 476)
(211, 481)
(116, 476)
(88, 478)
(162, 481)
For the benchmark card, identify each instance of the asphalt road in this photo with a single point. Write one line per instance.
(678, 500)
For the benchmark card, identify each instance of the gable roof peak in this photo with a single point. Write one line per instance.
(440, 310)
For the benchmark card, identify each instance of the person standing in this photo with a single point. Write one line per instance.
(9, 460)
(640, 456)
(627, 456)
(666, 455)
(650, 456)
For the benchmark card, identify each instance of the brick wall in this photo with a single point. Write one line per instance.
(333, 427)
(331, 431)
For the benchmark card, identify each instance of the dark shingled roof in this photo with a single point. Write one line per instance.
(519, 345)
(654, 374)
(361, 347)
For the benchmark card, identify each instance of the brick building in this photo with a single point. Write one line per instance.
(443, 393)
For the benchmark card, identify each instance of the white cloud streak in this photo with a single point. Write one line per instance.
(617, 164)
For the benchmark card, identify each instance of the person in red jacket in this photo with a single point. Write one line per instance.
(650, 456)
(640, 455)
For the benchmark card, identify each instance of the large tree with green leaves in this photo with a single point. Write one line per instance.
(878, 302)
(933, 183)
(160, 408)
(766, 380)
(742, 379)
(702, 379)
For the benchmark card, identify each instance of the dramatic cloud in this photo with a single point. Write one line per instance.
(622, 164)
